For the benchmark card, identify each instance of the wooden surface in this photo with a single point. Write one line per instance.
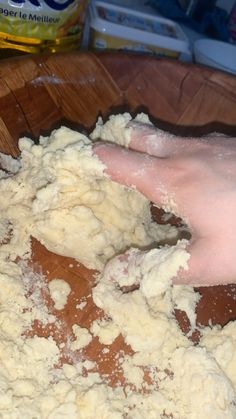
(38, 94)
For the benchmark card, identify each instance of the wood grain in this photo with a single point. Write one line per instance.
(38, 93)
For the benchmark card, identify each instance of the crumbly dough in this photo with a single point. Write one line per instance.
(118, 128)
(59, 291)
(186, 299)
(221, 342)
(105, 330)
(57, 192)
(83, 338)
(62, 197)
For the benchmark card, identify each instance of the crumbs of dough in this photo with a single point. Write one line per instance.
(106, 331)
(59, 292)
(82, 337)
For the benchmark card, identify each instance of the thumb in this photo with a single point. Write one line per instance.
(207, 264)
(147, 174)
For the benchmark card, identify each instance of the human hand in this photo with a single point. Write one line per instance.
(196, 179)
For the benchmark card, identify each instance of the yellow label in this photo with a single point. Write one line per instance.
(41, 19)
(105, 41)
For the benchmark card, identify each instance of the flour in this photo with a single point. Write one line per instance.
(81, 305)
(57, 192)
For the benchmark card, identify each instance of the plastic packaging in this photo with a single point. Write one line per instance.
(116, 27)
(41, 25)
(216, 54)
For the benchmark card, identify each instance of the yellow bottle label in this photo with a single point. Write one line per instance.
(35, 21)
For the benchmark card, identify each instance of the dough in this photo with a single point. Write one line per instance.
(62, 197)
(57, 192)
(106, 331)
(83, 338)
(221, 342)
(59, 291)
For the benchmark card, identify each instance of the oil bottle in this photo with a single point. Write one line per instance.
(34, 26)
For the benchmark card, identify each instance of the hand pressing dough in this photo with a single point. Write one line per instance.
(61, 196)
(57, 192)
(118, 128)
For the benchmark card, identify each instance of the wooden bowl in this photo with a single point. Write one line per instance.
(39, 93)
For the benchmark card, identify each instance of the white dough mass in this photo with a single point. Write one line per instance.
(59, 291)
(57, 192)
(61, 196)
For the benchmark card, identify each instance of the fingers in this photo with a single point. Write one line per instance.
(148, 139)
(208, 265)
(146, 173)
(140, 135)
(196, 273)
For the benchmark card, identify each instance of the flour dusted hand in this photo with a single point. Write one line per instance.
(195, 178)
